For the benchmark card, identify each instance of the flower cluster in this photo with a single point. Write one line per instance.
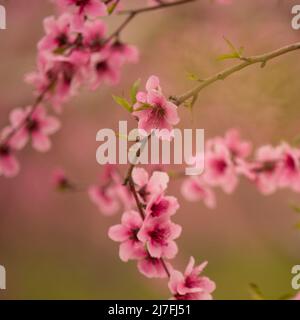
(148, 235)
(75, 51)
(25, 124)
(227, 159)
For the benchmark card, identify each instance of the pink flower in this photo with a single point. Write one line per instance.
(9, 166)
(109, 196)
(83, 8)
(94, 35)
(194, 189)
(266, 169)
(161, 206)
(159, 235)
(219, 167)
(58, 33)
(237, 147)
(105, 198)
(289, 167)
(37, 127)
(146, 187)
(153, 110)
(152, 267)
(124, 52)
(104, 68)
(61, 74)
(126, 233)
(190, 285)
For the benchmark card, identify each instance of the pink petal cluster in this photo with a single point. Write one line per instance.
(227, 159)
(111, 195)
(83, 9)
(74, 51)
(9, 166)
(149, 237)
(190, 285)
(154, 111)
(30, 123)
(35, 125)
(69, 57)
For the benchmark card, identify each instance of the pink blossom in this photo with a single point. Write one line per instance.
(289, 167)
(161, 206)
(152, 267)
(58, 33)
(153, 110)
(266, 169)
(195, 189)
(83, 8)
(159, 235)
(105, 198)
(219, 167)
(104, 68)
(124, 52)
(9, 166)
(237, 147)
(126, 233)
(63, 74)
(190, 285)
(37, 127)
(146, 186)
(94, 35)
(111, 194)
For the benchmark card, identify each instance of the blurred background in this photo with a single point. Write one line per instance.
(56, 246)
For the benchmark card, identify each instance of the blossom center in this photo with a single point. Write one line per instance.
(32, 125)
(4, 150)
(159, 235)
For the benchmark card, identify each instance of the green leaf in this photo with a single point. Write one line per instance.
(230, 44)
(123, 103)
(144, 106)
(256, 292)
(112, 8)
(234, 54)
(134, 90)
(227, 56)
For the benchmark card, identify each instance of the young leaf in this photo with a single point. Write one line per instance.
(134, 90)
(112, 8)
(234, 54)
(123, 103)
(144, 106)
(227, 56)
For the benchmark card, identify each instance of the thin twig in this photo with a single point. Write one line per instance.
(259, 59)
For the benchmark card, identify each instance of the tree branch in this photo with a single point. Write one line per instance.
(246, 62)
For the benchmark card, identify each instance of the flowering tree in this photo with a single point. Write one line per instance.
(77, 51)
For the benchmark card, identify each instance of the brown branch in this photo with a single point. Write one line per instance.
(246, 62)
